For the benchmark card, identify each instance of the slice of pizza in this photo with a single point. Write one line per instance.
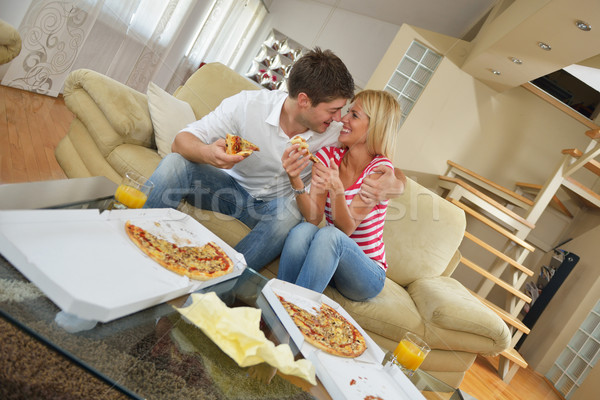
(239, 146)
(304, 146)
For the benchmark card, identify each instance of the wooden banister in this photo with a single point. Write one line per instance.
(496, 280)
(493, 225)
(488, 199)
(490, 183)
(498, 254)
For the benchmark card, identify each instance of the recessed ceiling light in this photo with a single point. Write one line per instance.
(584, 26)
(516, 60)
(544, 46)
(496, 72)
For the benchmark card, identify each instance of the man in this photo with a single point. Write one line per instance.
(255, 189)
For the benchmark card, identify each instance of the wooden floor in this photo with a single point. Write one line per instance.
(30, 127)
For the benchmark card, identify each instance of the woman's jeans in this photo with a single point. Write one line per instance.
(313, 257)
(209, 188)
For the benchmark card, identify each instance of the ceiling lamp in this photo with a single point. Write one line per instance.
(544, 46)
(516, 60)
(584, 26)
(496, 72)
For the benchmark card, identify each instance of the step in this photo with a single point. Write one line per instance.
(514, 356)
(555, 202)
(488, 200)
(493, 187)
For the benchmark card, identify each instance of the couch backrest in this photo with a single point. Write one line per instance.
(422, 234)
(209, 85)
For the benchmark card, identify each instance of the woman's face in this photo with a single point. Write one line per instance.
(355, 125)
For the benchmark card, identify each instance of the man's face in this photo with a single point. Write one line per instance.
(320, 117)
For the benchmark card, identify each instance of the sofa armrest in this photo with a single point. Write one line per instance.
(10, 42)
(446, 303)
(112, 112)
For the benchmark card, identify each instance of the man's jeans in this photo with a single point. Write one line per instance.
(209, 188)
(313, 258)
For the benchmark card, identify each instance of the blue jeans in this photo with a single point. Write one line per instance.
(313, 258)
(209, 188)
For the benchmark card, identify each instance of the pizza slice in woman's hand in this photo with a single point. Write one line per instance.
(239, 146)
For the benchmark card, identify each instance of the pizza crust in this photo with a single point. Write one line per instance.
(238, 146)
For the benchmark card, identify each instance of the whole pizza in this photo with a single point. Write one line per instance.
(327, 330)
(197, 262)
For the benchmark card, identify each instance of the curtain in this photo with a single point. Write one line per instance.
(223, 37)
(124, 39)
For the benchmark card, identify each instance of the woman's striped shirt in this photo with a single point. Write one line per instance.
(369, 233)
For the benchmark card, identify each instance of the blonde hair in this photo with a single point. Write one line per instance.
(384, 114)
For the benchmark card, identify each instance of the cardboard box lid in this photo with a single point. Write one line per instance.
(87, 265)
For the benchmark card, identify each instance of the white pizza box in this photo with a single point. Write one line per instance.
(344, 378)
(86, 264)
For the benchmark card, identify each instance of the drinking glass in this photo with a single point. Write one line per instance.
(410, 353)
(133, 191)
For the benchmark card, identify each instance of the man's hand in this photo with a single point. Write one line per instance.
(294, 161)
(195, 150)
(219, 156)
(383, 184)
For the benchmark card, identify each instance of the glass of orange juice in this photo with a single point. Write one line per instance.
(410, 353)
(133, 191)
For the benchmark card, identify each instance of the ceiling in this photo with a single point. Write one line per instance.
(450, 17)
(509, 28)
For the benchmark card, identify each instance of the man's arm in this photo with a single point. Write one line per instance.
(388, 186)
(195, 150)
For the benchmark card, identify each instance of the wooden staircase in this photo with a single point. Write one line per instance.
(494, 206)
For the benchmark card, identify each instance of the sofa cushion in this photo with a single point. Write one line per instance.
(422, 233)
(391, 313)
(455, 319)
(169, 116)
(129, 157)
(207, 88)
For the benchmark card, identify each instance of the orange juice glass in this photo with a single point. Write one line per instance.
(133, 191)
(410, 353)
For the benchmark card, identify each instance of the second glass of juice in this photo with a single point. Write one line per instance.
(410, 353)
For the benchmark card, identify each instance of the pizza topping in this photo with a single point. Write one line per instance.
(236, 145)
(327, 330)
(197, 262)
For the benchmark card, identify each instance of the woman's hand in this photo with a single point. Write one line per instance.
(327, 178)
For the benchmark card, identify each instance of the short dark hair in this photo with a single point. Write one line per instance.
(322, 76)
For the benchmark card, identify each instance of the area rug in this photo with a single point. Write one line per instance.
(183, 364)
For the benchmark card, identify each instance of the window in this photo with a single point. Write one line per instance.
(412, 75)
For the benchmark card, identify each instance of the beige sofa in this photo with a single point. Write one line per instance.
(112, 133)
(10, 42)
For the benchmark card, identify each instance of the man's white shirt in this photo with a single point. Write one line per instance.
(254, 115)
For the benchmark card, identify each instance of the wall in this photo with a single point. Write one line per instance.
(506, 137)
(358, 40)
(569, 307)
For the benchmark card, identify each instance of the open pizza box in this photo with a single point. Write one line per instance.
(86, 264)
(344, 378)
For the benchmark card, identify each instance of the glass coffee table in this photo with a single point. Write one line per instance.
(154, 354)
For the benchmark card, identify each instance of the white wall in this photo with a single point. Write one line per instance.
(13, 11)
(358, 40)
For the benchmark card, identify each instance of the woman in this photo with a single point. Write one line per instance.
(349, 251)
